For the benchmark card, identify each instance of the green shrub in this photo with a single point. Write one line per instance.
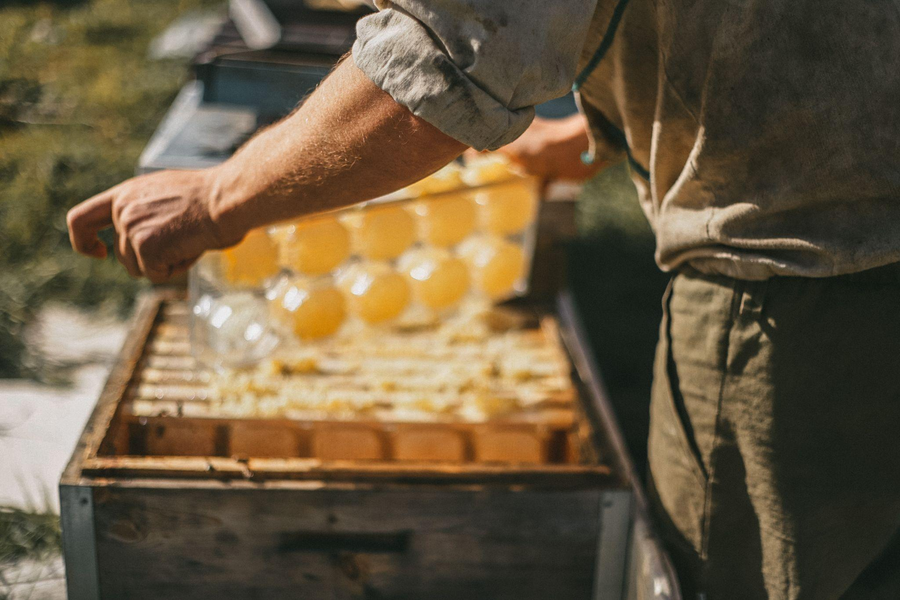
(27, 535)
(78, 101)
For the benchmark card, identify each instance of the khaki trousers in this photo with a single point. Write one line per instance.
(774, 444)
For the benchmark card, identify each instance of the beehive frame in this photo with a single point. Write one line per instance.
(181, 446)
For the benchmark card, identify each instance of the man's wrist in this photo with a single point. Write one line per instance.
(226, 203)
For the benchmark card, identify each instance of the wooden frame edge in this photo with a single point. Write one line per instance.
(95, 430)
(599, 411)
(264, 470)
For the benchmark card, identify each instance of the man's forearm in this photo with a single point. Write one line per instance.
(348, 142)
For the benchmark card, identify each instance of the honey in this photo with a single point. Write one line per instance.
(250, 262)
(460, 237)
(383, 233)
(446, 220)
(497, 265)
(313, 310)
(439, 280)
(376, 293)
(313, 247)
(507, 209)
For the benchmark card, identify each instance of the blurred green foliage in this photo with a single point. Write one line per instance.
(79, 98)
(25, 534)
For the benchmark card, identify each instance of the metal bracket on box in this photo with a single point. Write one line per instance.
(80, 542)
(615, 520)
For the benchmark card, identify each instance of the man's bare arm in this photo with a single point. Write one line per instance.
(348, 142)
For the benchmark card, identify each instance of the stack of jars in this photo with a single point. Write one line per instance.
(413, 257)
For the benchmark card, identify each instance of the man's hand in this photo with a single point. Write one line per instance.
(163, 222)
(551, 149)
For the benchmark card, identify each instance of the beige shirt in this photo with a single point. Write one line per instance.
(764, 137)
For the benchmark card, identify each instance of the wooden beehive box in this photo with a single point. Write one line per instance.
(184, 505)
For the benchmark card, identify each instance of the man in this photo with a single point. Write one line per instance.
(763, 140)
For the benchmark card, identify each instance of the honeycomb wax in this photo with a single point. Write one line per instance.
(438, 279)
(313, 247)
(313, 310)
(507, 208)
(446, 220)
(251, 261)
(383, 233)
(497, 265)
(375, 292)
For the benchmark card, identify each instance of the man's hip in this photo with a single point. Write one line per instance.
(773, 447)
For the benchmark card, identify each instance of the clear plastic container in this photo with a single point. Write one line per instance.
(407, 259)
(231, 324)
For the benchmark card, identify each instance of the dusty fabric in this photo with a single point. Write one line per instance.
(474, 69)
(773, 450)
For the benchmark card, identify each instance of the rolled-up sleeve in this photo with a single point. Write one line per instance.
(474, 69)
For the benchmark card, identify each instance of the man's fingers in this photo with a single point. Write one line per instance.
(162, 275)
(154, 272)
(157, 277)
(86, 220)
(183, 266)
(125, 254)
(157, 274)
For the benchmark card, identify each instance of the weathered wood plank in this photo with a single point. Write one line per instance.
(430, 443)
(266, 440)
(600, 426)
(304, 469)
(408, 472)
(510, 446)
(410, 543)
(172, 467)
